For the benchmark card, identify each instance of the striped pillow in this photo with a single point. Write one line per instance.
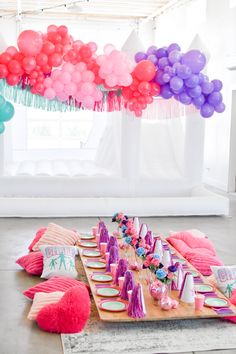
(32, 263)
(53, 284)
(56, 235)
(38, 235)
(41, 300)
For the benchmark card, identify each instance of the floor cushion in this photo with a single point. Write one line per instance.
(225, 278)
(68, 315)
(38, 235)
(41, 300)
(53, 284)
(32, 263)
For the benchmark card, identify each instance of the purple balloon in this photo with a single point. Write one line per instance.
(166, 77)
(183, 71)
(166, 92)
(195, 60)
(192, 81)
(163, 62)
(140, 56)
(220, 107)
(174, 56)
(159, 77)
(173, 46)
(195, 91)
(153, 58)
(176, 83)
(169, 70)
(207, 87)
(199, 101)
(176, 65)
(161, 52)
(217, 85)
(203, 78)
(185, 98)
(215, 98)
(207, 110)
(152, 50)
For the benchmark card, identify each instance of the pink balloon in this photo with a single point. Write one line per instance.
(50, 93)
(107, 67)
(48, 82)
(70, 89)
(79, 96)
(76, 77)
(111, 80)
(98, 95)
(80, 67)
(62, 96)
(55, 74)
(77, 44)
(66, 48)
(108, 48)
(102, 75)
(58, 86)
(12, 50)
(119, 68)
(100, 59)
(65, 77)
(88, 76)
(68, 67)
(125, 80)
(92, 46)
(87, 88)
(88, 102)
(52, 28)
(30, 42)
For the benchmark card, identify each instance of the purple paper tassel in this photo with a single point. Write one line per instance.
(104, 236)
(128, 284)
(135, 308)
(112, 242)
(149, 238)
(121, 269)
(101, 225)
(113, 257)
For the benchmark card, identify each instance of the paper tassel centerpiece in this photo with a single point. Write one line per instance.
(113, 257)
(112, 242)
(136, 308)
(121, 269)
(129, 284)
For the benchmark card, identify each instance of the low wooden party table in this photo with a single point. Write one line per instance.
(154, 312)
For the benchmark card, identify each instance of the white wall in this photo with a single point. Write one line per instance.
(215, 22)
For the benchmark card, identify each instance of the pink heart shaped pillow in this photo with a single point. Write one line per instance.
(68, 315)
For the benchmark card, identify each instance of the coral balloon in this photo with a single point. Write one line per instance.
(29, 64)
(12, 79)
(62, 30)
(30, 42)
(3, 71)
(41, 59)
(52, 28)
(11, 50)
(48, 48)
(14, 67)
(55, 60)
(5, 58)
(145, 70)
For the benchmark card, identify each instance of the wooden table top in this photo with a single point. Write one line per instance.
(154, 312)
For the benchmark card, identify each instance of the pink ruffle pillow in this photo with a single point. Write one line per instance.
(32, 263)
(54, 284)
(38, 235)
(69, 315)
(202, 262)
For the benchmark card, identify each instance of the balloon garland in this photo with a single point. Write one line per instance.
(6, 113)
(54, 71)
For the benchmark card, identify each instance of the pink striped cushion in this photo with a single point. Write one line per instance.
(41, 300)
(56, 235)
(53, 284)
(202, 262)
(32, 263)
(38, 235)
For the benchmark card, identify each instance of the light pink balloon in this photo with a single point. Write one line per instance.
(98, 95)
(100, 59)
(111, 80)
(80, 67)
(68, 67)
(62, 96)
(76, 77)
(55, 74)
(107, 67)
(92, 46)
(88, 76)
(108, 48)
(48, 82)
(70, 89)
(79, 96)
(65, 77)
(102, 74)
(115, 55)
(88, 102)
(11, 50)
(125, 80)
(120, 68)
(88, 88)
(58, 86)
(50, 93)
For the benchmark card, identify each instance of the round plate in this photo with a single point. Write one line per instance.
(88, 244)
(203, 288)
(193, 272)
(91, 253)
(216, 302)
(108, 292)
(85, 236)
(113, 306)
(101, 278)
(95, 265)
